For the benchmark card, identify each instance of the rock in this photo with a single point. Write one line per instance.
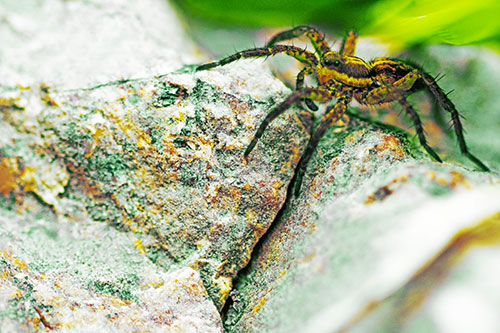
(361, 230)
(80, 44)
(88, 289)
(161, 158)
(158, 159)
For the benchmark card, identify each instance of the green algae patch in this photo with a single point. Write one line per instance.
(107, 166)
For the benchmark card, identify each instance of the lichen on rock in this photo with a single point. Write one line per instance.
(163, 159)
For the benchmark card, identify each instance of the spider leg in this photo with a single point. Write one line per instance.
(298, 53)
(299, 85)
(419, 128)
(395, 91)
(446, 104)
(315, 36)
(349, 45)
(317, 94)
(331, 116)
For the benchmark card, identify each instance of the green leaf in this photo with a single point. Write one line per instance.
(399, 22)
(459, 22)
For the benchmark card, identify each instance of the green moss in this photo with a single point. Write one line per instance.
(123, 288)
(207, 274)
(107, 165)
(237, 129)
(20, 307)
(156, 139)
(8, 202)
(180, 143)
(185, 131)
(239, 297)
(193, 174)
(167, 94)
(133, 98)
(199, 115)
(72, 132)
(202, 90)
(105, 212)
(159, 257)
(74, 142)
(17, 310)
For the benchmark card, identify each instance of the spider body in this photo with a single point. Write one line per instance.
(342, 77)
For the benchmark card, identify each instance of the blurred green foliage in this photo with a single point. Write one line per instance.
(460, 22)
(400, 22)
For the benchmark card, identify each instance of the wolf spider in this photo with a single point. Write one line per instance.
(343, 76)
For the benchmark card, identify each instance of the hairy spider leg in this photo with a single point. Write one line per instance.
(446, 104)
(331, 116)
(419, 128)
(299, 84)
(316, 38)
(317, 94)
(395, 91)
(349, 44)
(301, 55)
(388, 68)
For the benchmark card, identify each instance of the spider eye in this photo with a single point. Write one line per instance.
(331, 62)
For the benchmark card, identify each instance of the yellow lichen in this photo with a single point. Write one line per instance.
(98, 132)
(249, 215)
(452, 180)
(21, 264)
(156, 284)
(393, 144)
(354, 136)
(259, 305)
(307, 258)
(224, 284)
(139, 246)
(458, 179)
(16, 293)
(8, 175)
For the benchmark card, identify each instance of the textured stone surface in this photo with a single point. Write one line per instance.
(359, 232)
(78, 44)
(160, 158)
(127, 193)
(84, 276)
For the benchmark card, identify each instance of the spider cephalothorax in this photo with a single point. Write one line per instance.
(341, 76)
